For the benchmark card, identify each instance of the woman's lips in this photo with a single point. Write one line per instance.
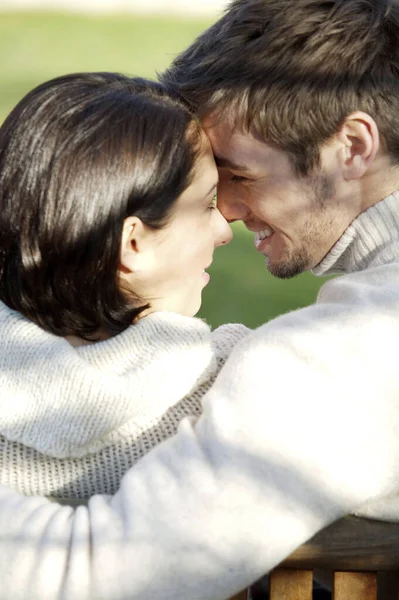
(205, 276)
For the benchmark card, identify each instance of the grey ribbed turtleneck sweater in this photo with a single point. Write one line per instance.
(371, 241)
(300, 428)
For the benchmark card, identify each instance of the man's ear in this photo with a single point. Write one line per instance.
(132, 245)
(360, 143)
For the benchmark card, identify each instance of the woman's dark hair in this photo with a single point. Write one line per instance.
(78, 155)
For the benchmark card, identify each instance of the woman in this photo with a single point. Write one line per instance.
(109, 221)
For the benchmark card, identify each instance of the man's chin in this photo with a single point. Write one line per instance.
(288, 269)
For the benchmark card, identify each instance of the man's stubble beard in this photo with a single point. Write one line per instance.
(302, 259)
(293, 266)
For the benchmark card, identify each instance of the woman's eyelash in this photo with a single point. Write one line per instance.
(214, 202)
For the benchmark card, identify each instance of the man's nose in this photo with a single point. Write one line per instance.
(231, 207)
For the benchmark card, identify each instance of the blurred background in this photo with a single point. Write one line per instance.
(40, 39)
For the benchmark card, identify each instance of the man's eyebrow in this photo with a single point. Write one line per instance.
(228, 164)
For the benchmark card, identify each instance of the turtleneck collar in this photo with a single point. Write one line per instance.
(62, 400)
(371, 240)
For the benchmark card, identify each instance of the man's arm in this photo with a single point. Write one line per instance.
(226, 499)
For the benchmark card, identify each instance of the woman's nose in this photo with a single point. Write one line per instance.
(223, 232)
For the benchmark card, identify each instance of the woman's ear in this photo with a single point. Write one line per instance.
(131, 255)
(360, 141)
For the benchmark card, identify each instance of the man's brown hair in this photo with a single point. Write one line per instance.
(290, 71)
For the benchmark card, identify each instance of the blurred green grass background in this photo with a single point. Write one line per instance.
(37, 46)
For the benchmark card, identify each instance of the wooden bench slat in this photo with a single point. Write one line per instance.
(354, 586)
(350, 544)
(286, 584)
(240, 596)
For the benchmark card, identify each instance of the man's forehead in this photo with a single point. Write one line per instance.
(223, 135)
(234, 148)
(223, 125)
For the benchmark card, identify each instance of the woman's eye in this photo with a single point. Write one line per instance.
(214, 202)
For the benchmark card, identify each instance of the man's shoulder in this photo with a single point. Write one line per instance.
(378, 285)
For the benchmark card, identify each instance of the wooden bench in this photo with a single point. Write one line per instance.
(359, 557)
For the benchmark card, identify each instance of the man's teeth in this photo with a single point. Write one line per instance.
(262, 235)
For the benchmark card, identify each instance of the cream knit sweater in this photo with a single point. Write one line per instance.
(73, 420)
(300, 428)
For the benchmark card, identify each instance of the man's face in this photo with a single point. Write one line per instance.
(295, 220)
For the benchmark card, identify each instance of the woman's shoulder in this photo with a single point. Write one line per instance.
(225, 337)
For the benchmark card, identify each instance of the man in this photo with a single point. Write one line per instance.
(300, 101)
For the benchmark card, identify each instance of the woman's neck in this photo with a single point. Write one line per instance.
(77, 341)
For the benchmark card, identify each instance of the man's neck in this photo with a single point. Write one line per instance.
(380, 181)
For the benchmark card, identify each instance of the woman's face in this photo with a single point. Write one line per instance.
(173, 271)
